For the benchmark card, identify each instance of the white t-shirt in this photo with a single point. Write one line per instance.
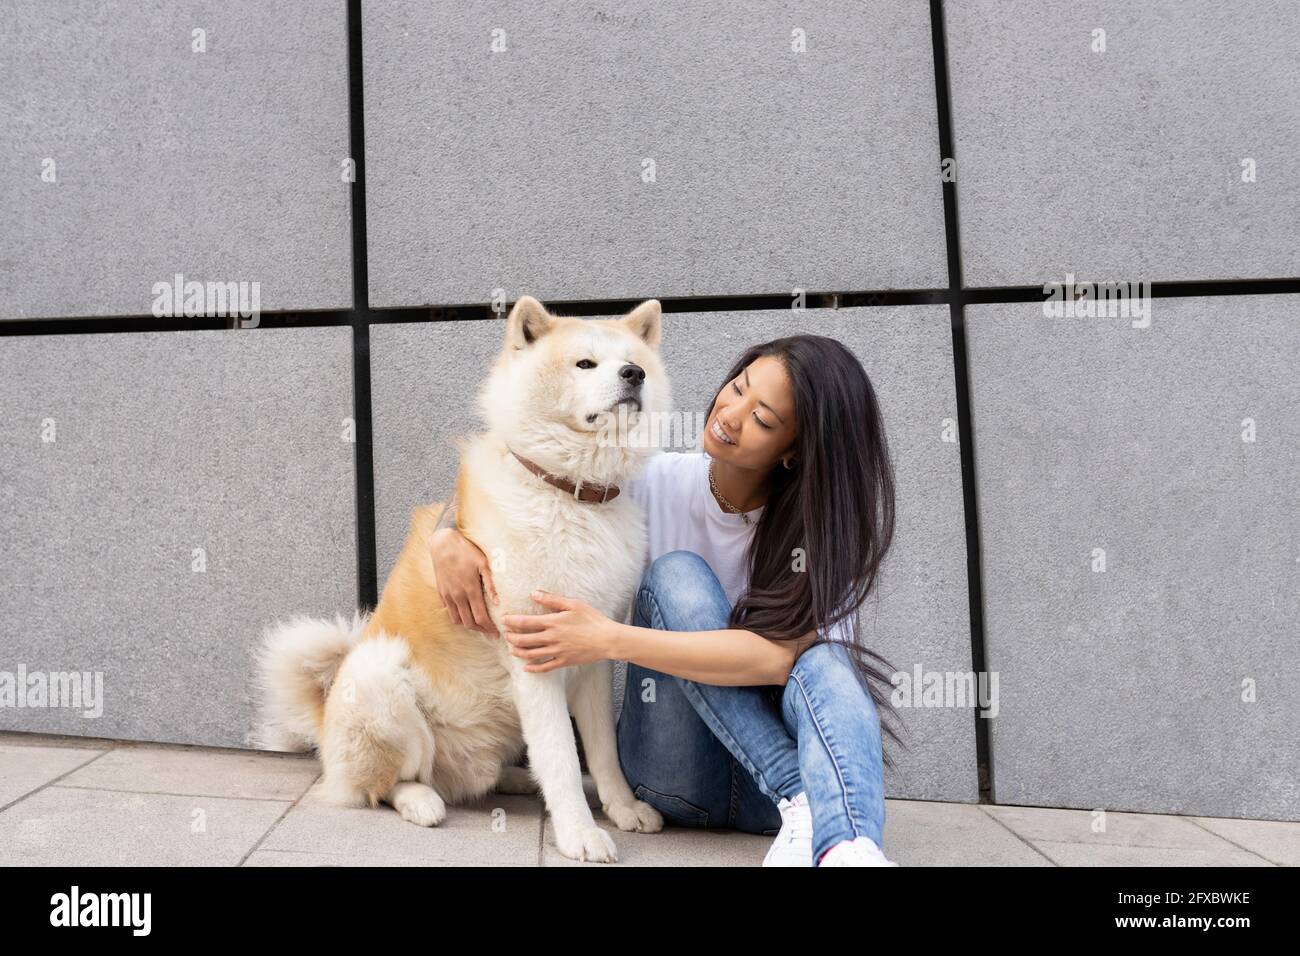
(682, 514)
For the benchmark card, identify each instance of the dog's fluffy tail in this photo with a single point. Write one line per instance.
(295, 665)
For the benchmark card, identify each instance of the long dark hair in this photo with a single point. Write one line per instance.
(836, 504)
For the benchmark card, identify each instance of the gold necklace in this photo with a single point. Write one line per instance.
(727, 504)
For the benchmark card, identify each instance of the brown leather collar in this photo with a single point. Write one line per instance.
(597, 494)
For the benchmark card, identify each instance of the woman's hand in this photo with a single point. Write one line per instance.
(575, 633)
(464, 578)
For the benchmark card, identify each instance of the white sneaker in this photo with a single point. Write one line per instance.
(793, 845)
(861, 851)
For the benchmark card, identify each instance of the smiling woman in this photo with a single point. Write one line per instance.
(774, 531)
(751, 701)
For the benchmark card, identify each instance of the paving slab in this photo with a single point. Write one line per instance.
(280, 858)
(502, 830)
(27, 768)
(1088, 838)
(69, 826)
(74, 806)
(200, 772)
(1277, 842)
(1104, 854)
(1108, 829)
(672, 846)
(919, 833)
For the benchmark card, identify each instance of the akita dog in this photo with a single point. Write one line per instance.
(406, 708)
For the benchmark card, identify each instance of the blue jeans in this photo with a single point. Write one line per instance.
(705, 755)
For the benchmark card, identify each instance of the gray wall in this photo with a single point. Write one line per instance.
(163, 495)
(1165, 682)
(1125, 164)
(1141, 556)
(539, 150)
(220, 165)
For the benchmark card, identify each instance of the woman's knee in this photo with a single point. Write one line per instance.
(826, 673)
(680, 592)
(825, 660)
(675, 569)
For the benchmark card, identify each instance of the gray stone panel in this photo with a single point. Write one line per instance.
(425, 378)
(1125, 165)
(223, 166)
(523, 169)
(1124, 689)
(163, 443)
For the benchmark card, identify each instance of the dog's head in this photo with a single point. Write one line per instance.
(579, 395)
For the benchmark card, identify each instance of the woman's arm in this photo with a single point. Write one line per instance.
(732, 657)
(574, 632)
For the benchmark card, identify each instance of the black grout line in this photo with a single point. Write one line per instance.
(745, 303)
(115, 324)
(943, 106)
(1213, 288)
(961, 376)
(367, 575)
(1209, 288)
(367, 558)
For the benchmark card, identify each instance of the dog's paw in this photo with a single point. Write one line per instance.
(637, 816)
(589, 843)
(419, 804)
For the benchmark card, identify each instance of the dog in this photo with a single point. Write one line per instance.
(405, 708)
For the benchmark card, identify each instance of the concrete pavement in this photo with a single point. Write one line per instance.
(70, 801)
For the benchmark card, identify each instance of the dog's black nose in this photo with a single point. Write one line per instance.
(633, 374)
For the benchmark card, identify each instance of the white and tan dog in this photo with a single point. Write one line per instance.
(406, 708)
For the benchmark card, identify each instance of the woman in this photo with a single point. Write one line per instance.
(749, 701)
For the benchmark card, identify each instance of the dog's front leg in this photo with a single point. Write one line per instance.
(553, 758)
(593, 709)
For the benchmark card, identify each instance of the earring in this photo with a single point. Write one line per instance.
(789, 467)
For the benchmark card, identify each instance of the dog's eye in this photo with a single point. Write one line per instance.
(586, 363)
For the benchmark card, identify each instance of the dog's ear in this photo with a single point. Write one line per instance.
(527, 322)
(645, 322)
